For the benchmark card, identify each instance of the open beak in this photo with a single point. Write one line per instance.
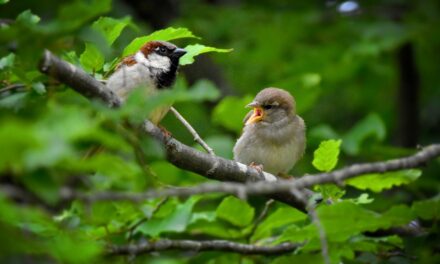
(179, 52)
(257, 115)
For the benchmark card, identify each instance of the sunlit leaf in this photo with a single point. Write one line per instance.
(197, 49)
(378, 182)
(164, 35)
(326, 156)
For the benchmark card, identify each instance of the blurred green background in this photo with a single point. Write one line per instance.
(366, 72)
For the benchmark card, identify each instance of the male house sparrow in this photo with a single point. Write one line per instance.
(273, 134)
(152, 68)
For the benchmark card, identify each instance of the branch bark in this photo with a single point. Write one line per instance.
(193, 245)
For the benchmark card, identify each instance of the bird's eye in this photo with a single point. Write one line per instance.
(162, 49)
(267, 107)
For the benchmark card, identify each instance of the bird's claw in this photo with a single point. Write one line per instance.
(165, 132)
(258, 167)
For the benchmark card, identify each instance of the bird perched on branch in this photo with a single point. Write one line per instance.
(152, 68)
(273, 137)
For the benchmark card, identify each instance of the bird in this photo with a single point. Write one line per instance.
(273, 137)
(153, 67)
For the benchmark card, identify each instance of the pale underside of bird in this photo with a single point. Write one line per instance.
(273, 135)
(152, 68)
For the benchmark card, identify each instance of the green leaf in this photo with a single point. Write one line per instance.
(39, 88)
(7, 61)
(216, 228)
(345, 219)
(111, 28)
(378, 182)
(197, 49)
(2, 2)
(91, 59)
(370, 126)
(235, 211)
(427, 209)
(164, 35)
(230, 112)
(27, 18)
(176, 221)
(281, 217)
(362, 199)
(330, 191)
(326, 156)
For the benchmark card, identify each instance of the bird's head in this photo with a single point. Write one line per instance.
(271, 105)
(162, 54)
(162, 58)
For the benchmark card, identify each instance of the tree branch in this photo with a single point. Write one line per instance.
(193, 245)
(77, 79)
(263, 187)
(177, 153)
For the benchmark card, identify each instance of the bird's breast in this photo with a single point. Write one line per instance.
(127, 78)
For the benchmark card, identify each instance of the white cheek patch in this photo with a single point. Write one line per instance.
(153, 60)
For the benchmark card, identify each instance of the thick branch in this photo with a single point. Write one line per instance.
(179, 154)
(193, 245)
(77, 79)
(264, 187)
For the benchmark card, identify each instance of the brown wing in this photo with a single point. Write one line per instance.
(127, 61)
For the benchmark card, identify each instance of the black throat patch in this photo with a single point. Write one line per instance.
(165, 79)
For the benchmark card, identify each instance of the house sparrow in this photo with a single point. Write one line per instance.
(153, 67)
(273, 134)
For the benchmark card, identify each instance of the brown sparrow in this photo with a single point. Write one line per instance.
(153, 67)
(273, 134)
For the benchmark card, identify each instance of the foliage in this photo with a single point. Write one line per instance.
(341, 70)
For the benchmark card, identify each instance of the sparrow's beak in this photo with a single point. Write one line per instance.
(257, 115)
(179, 52)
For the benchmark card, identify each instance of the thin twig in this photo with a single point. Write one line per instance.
(197, 246)
(11, 87)
(146, 218)
(310, 207)
(193, 132)
(261, 217)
